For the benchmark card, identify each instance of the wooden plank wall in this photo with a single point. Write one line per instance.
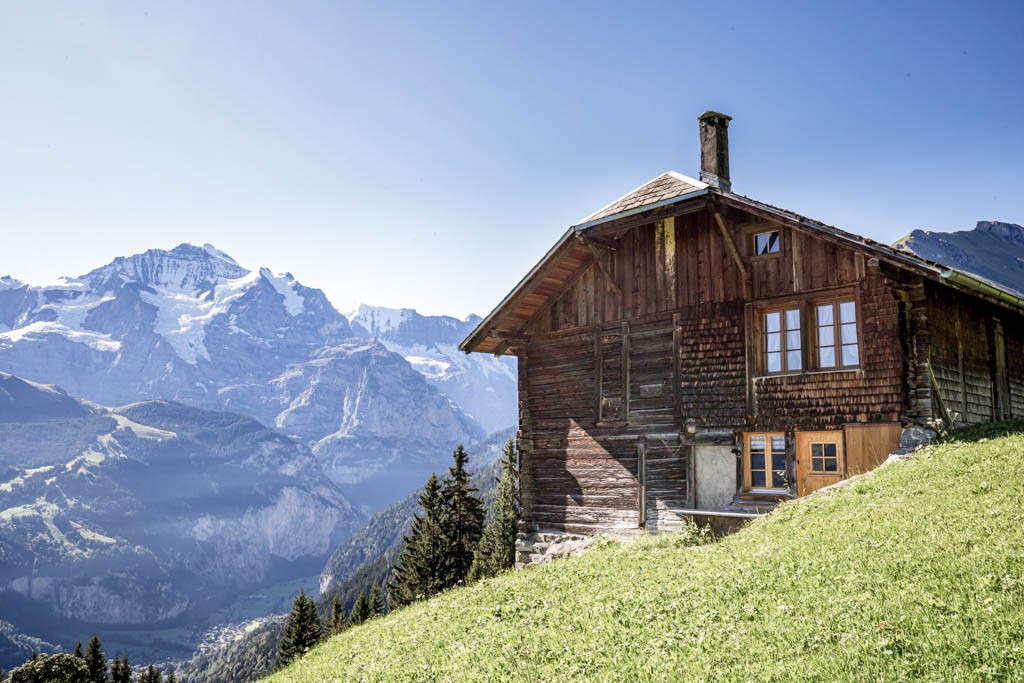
(594, 386)
(867, 446)
(1014, 335)
(959, 343)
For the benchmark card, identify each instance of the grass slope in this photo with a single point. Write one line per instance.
(913, 573)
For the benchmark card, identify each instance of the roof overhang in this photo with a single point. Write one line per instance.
(502, 329)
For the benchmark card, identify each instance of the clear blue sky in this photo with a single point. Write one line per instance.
(426, 154)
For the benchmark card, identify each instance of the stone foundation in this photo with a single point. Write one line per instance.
(540, 547)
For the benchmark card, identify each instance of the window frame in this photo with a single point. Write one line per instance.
(769, 471)
(807, 304)
(772, 252)
(762, 344)
(837, 345)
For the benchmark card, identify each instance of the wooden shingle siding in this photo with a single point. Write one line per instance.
(826, 400)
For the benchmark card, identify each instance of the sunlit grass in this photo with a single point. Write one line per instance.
(915, 572)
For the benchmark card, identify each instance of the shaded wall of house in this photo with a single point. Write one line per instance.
(976, 354)
(645, 358)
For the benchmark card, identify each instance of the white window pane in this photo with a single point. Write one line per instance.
(778, 444)
(793, 339)
(774, 341)
(826, 336)
(850, 355)
(849, 333)
(848, 312)
(757, 443)
(793, 360)
(825, 315)
(771, 322)
(774, 362)
(827, 357)
(793, 319)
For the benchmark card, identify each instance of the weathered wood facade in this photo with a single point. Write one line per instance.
(687, 351)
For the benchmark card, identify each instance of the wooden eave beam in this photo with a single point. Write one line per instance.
(598, 240)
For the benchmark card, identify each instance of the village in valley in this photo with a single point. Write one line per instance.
(527, 351)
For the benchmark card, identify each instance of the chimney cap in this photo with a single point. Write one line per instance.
(709, 114)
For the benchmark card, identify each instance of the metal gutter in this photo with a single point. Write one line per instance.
(966, 281)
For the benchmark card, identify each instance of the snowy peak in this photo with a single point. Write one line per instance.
(7, 282)
(186, 269)
(406, 327)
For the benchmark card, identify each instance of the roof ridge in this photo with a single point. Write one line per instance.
(670, 173)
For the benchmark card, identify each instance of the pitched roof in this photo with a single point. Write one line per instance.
(568, 255)
(668, 185)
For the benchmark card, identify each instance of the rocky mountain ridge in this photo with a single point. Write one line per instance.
(152, 511)
(993, 250)
(191, 325)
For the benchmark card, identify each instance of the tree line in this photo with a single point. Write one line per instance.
(88, 666)
(453, 541)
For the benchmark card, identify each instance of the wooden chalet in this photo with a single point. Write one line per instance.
(690, 352)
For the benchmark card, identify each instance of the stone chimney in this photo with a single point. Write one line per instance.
(714, 149)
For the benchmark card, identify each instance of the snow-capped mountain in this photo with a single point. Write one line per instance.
(192, 325)
(148, 512)
(483, 386)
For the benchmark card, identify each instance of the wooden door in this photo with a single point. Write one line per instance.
(820, 460)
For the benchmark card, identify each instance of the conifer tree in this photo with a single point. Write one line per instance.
(419, 571)
(151, 675)
(43, 668)
(376, 601)
(171, 678)
(77, 653)
(336, 622)
(463, 521)
(302, 631)
(121, 670)
(497, 549)
(360, 611)
(95, 661)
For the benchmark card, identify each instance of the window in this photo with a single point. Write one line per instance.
(765, 462)
(782, 342)
(824, 457)
(766, 242)
(837, 334)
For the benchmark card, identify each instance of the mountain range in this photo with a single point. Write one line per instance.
(381, 401)
(152, 512)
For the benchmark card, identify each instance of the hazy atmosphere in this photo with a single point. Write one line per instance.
(427, 154)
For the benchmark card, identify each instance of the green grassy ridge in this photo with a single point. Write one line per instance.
(915, 572)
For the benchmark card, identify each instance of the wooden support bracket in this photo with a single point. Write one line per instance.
(730, 244)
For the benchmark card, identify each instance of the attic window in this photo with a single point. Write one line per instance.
(766, 242)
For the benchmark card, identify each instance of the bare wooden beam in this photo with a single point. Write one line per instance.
(501, 348)
(508, 335)
(730, 244)
(599, 257)
(599, 240)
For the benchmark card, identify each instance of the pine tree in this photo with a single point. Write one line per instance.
(302, 631)
(95, 661)
(171, 678)
(497, 549)
(463, 521)
(336, 622)
(76, 653)
(360, 611)
(121, 670)
(151, 675)
(419, 571)
(376, 601)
